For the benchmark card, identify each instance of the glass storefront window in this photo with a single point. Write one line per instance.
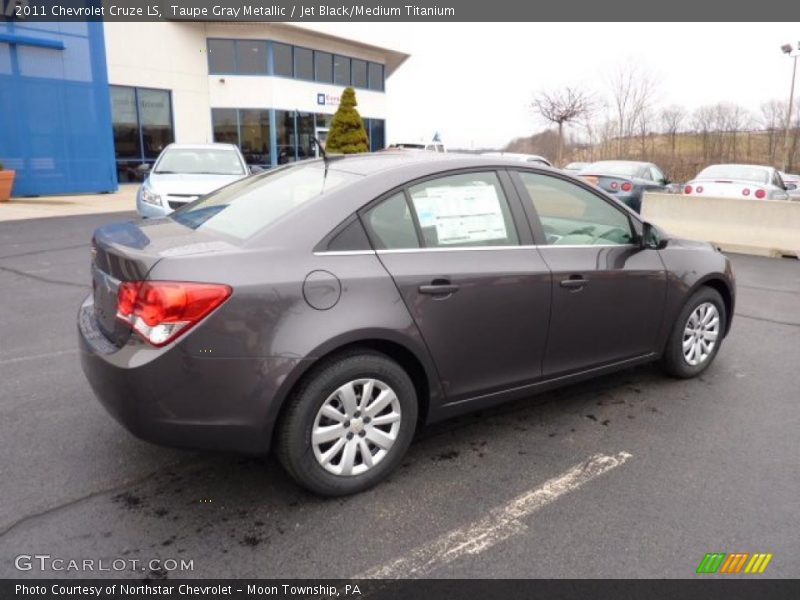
(254, 136)
(282, 60)
(142, 126)
(341, 70)
(303, 63)
(377, 135)
(225, 124)
(221, 56)
(251, 57)
(284, 136)
(155, 117)
(305, 133)
(127, 143)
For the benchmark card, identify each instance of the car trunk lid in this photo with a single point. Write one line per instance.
(128, 251)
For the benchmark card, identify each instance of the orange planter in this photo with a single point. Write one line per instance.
(6, 183)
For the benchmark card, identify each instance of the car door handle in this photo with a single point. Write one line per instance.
(436, 288)
(575, 282)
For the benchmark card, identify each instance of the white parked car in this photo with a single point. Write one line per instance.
(530, 158)
(433, 146)
(184, 172)
(753, 182)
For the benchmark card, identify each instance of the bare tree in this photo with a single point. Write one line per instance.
(771, 119)
(562, 107)
(703, 121)
(632, 94)
(672, 120)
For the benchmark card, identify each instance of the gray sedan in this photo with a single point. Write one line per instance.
(626, 180)
(327, 309)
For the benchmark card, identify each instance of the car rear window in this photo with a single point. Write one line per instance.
(743, 173)
(246, 207)
(613, 167)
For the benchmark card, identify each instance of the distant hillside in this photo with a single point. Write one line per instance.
(682, 156)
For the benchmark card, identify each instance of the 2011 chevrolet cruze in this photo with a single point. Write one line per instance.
(328, 308)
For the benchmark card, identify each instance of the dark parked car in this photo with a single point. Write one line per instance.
(327, 309)
(626, 180)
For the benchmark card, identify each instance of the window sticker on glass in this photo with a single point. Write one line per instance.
(467, 214)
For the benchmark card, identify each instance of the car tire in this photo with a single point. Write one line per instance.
(677, 360)
(322, 393)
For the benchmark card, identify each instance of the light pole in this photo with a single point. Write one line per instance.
(793, 53)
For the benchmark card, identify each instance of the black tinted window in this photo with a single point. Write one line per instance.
(359, 73)
(251, 57)
(323, 67)
(392, 225)
(376, 76)
(303, 63)
(282, 59)
(341, 70)
(221, 56)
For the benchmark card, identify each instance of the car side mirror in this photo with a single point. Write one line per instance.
(255, 169)
(652, 237)
(790, 186)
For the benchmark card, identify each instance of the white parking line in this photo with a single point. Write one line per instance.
(18, 359)
(499, 525)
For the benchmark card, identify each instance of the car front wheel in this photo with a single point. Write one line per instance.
(349, 424)
(696, 335)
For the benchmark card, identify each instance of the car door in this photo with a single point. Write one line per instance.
(608, 292)
(477, 289)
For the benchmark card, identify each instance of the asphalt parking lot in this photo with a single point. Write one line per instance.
(676, 468)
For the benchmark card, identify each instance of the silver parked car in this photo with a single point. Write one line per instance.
(748, 182)
(184, 172)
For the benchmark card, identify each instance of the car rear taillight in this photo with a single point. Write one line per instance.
(614, 185)
(699, 189)
(160, 311)
(627, 186)
(687, 189)
(760, 194)
(746, 192)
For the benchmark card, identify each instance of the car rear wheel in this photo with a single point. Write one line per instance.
(696, 335)
(349, 424)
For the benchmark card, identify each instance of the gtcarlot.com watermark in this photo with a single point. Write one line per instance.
(58, 564)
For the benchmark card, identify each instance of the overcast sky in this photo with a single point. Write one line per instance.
(473, 82)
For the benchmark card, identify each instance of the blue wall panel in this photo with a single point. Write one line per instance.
(55, 111)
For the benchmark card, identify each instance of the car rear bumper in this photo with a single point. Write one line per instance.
(170, 397)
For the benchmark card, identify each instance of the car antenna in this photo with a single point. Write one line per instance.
(319, 146)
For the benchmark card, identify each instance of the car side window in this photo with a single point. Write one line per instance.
(777, 181)
(468, 209)
(645, 173)
(392, 225)
(574, 216)
(657, 175)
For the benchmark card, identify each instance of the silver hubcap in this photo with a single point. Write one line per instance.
(700, 334)
(356, 427)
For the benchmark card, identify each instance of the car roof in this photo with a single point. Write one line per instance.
(740, 165)
(211, 146)
(416, 163)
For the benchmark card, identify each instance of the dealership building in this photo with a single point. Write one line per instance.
(84, 105)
